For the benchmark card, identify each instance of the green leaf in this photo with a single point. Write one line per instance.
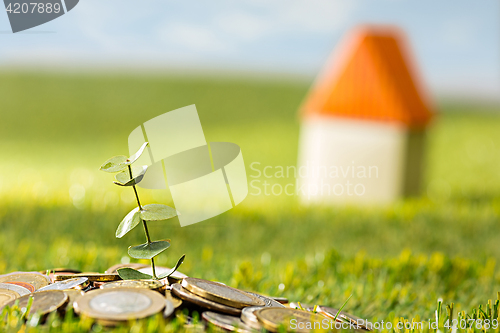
(172, 271)
(114, 164)
(118, 163)
(148, 250)
(138, 154)
(157, 212)
(129, 222)
(128, 273)
(138, 172)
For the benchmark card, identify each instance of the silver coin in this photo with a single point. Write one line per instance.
(229, 323)
(269, 301)
(13, 287)
(66, 284)
(169, 309)
(120, 302)
(249, 318)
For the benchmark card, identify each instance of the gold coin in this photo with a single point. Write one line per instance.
(146, 284)
(292, 320)
(356, 321)
(228, 323)
(92, 277)
(119, 304)
(190, 298)
(44, 302)
(115, 268)
(220, 293)
(6, 296)
(36, 279)
(75, 283)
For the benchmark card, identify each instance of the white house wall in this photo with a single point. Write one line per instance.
(346, 160)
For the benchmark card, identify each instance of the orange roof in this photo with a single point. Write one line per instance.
(371, 77)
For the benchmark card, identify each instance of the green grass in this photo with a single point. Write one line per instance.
(58, 210)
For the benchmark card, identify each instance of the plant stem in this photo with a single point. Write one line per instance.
(153, 267)
(146, 231)
(149, 241)
(135, 190)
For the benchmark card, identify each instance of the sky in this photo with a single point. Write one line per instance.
(456, 42)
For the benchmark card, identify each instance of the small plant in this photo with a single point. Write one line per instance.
(131, 176)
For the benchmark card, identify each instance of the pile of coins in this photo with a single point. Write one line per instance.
(109, 300)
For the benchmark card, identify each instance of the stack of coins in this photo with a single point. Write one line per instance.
(106, 298)
(109, 300)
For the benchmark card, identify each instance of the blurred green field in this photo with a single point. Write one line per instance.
(58, 210)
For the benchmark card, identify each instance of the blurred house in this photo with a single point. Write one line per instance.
(363, 122)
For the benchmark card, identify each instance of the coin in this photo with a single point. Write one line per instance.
(297, 320)
(147, 284)
(119, 304)
(115, 268)
(248, 317)
(73, 295)
(36, 279)
(282, 300)
(189, 297)
(52, 276)
(171, 280)
(92, 277)
(331, 313)
(169, 309)
(221, 294)
(44, 302)
(177, 302)
(229, 323)
(75, 283)
(268, 301)
(14, 287)
(26, 285)
(7, 296)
